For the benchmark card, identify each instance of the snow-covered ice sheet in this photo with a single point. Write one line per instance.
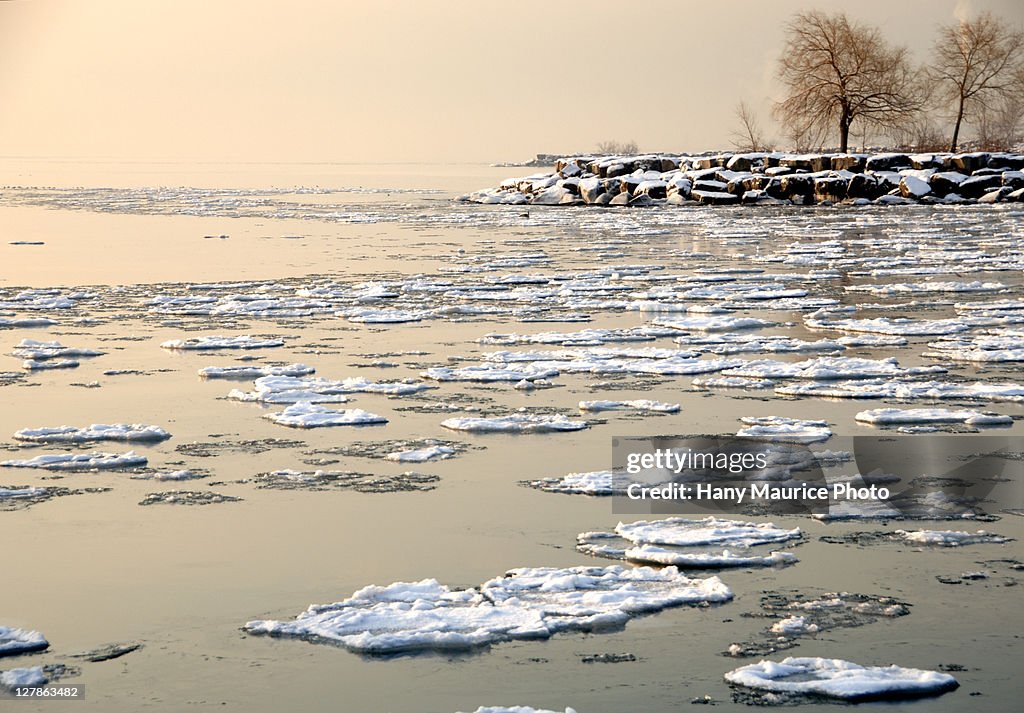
(135, 432)
(516, 423)
(777, 429)
(421, 455)
(254, 371)
(23, 677)
(220, 342)
(527, 603)
(598, 482)
(950, 538)
(15, 641)
(80, 461)
(828, 368)
(635, 405)
(836, 678)
(886, 416)
(308, 415)
(34, 349)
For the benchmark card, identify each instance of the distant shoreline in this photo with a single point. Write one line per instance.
(775, 178)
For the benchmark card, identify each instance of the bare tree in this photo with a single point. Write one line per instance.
(975, 63)
(836, 71)
(748, 136)
(618, 148)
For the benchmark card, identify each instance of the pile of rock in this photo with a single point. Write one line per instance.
(768, 178)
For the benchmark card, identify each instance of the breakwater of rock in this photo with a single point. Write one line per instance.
(767, 179)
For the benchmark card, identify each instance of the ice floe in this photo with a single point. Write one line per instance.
(170, 475)
(40, 365)
(777, 429)
(37, 350)
(20, 641)
(713, 324)
(309, 415)
(836, 678)
(254, 371)
(886, 416)
(527, 603)
(220, 342)
(898, 389)
(289, 389)
(187, 497)
(949, 538)
(421, 455)
(636, 405)
(709, 542)
(135, 432)
(598, 482)
(828, 368)
(80, 461)
(516, 423)
(23, 677)
(488, 373)
(344, 480)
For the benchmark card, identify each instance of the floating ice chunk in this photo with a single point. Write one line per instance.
(219, 342)
(95, 432)
(637, 404)
(714, 324)
(23, 677)
(652, 554)
(517, 709)
(873, 340)
(587, 336)
(950, 538)
(34, 365)
(884, 416)
(516, 423)
(878, 389)
(421, 455)
(489, 373)
(823, 368)
(794, 626)
(732, 382)
(897, 325)
(253, 372)
(529, 603)
(20, 641)
(172, 475)
(33, 349)
(927, 287)
(836, 678)
(187, 497)
(384, 316)
(599, 482)
(682, 532)
(979, 355)
(79, 461)
(289, 389)
(24, 323)
(776, 429)
(308, 415)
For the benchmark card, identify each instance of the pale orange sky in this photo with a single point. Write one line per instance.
(332, 80)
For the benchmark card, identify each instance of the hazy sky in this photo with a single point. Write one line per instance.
(332, 80)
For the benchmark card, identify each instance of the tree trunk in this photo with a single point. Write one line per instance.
(956, 126)
(844, 134)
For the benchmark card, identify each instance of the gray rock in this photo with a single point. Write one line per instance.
(977, 186)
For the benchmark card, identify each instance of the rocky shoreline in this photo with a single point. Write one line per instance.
(768, 179)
